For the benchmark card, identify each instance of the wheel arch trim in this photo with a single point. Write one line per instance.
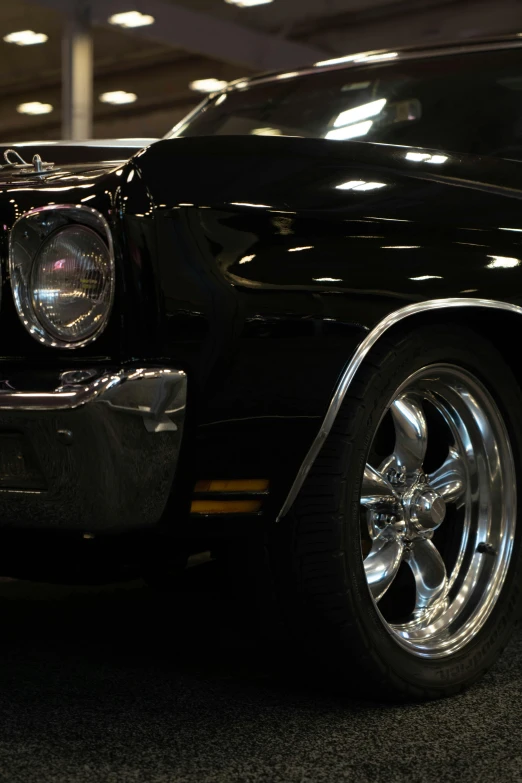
(359, 356)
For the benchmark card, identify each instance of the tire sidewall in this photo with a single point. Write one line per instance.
(449, 673)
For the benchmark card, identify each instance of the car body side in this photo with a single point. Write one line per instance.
(269, 275)
(252, 265)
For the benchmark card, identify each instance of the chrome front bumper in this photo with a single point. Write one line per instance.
(96, 454)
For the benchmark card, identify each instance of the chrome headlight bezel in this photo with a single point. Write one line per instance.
(27, 238)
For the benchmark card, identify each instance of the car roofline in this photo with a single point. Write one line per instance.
(383, 56)
(356, 60)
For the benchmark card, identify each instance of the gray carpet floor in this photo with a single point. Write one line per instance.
(113, 685)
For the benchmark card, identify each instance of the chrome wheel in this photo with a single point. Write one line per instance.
(438, 510)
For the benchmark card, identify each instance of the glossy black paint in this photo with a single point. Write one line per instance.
(242, 262)
(271, 276)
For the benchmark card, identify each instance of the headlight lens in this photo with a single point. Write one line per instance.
(72, 284)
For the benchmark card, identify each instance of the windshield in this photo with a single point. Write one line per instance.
(469, 102)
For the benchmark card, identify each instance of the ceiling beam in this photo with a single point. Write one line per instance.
(202, 34)
(374, 14)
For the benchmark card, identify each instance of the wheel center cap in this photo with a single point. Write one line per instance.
(428, 510)
(424, 509)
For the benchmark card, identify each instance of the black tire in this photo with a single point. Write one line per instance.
(318, 558)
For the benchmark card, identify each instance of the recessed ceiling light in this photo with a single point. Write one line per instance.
(427, 157)
(359, 113)
(266, 132)
(248, 3)
(350, 131)
(35, 107)
(417, 156)
(502, 262)
(26, 38)
(208, 85)
(132, 19)
(360, 184)
(118, 97)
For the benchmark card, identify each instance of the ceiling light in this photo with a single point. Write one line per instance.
(208, 85)
(327, 279)
(417, 156)
(394, 220)
(502, 262)
(427, 277)
(266, 132)
(360, 113)
(354, 183)
(359, 184)
(35, 107)
(118, 97)
(247, 204)
(132, 19)
(26, 38)
(510, 229)
(371, 186)
(298, 249)
(289, 75)
(350, 131)
(248, 3)
(426, 157)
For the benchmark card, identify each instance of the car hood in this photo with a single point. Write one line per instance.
(65, 160)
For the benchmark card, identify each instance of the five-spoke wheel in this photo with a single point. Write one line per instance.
(401, 563)
(451, 525)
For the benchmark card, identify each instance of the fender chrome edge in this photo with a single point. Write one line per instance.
(360, 354)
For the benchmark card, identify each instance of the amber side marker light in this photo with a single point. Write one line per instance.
(225, 506)
(229, 496)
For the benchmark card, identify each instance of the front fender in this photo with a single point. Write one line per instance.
(265, 271)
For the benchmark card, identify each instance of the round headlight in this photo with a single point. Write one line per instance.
(72, 284)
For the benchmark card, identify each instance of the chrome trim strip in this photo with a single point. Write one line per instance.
(175, 132)
(117, 388)
(126, 143)
(360, 354)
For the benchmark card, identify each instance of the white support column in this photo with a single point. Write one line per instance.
(77, 74)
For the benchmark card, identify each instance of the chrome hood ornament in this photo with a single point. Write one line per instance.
(18, 165)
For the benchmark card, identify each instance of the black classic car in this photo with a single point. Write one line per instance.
(293, 322)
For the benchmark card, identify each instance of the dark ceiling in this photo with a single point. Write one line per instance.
(159, 70)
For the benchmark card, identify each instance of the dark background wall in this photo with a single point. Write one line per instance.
(159, 62)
